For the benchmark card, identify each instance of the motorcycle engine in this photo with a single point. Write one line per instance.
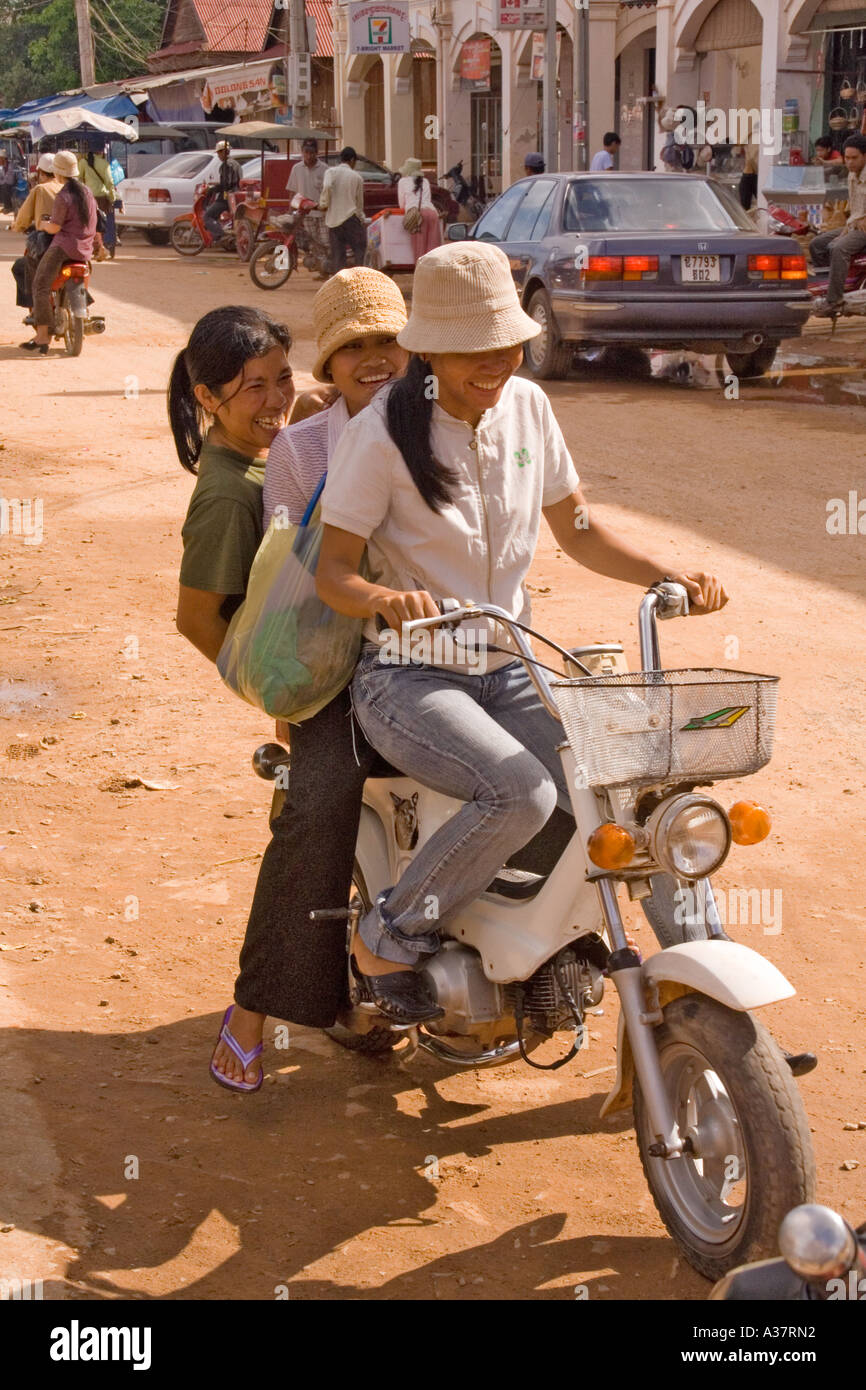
(567, 985)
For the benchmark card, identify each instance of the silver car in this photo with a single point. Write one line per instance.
(154, 200)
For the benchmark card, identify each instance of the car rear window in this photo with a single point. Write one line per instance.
(182, 166)
(680, 203)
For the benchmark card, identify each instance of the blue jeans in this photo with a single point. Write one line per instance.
(486, 740)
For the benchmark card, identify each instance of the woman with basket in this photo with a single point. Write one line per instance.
(443, 481)
(421, 219)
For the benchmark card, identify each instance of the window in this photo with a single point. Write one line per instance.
(494, 224)
(533, 215)
(648, 204)
(182, 166)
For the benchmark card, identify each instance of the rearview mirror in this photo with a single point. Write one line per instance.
(458, 231)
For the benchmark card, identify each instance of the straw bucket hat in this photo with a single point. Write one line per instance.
(66, 164)
(464, 300)
(410, 168)
(355, 303)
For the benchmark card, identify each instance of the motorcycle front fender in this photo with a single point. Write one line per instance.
(735, 975)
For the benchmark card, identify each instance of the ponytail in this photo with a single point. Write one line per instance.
(219, 348)
(410, 421)
(81, 199)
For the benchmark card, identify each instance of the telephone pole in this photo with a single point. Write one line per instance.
(85, 43)
(299, 87)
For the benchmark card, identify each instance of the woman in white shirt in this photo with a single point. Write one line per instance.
(413, 191)
(443, 481)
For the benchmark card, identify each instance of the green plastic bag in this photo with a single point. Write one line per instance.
(286, 651)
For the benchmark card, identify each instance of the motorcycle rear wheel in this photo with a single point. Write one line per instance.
(732, 1089)
(186, 239)
(73, 331)
(268, 268)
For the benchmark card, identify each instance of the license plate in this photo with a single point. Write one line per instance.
(700, 270)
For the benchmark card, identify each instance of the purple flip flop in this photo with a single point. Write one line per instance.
(244, 1058)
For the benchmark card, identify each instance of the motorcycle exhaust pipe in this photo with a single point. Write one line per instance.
(94, 325)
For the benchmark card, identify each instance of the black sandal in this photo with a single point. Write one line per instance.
(402, 996)
(33, 346)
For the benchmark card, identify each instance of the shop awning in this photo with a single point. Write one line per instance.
(320, 11)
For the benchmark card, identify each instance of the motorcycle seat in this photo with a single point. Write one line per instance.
(517, 884)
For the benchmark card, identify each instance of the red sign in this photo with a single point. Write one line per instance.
(475, 60)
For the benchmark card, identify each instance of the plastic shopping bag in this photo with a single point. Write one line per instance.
(286, 651)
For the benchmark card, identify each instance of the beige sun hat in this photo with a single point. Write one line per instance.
(356, 303)
(464, 300)
(66, 164)
(410, 168)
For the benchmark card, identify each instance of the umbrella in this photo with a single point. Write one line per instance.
(268, 130)
(72, 118)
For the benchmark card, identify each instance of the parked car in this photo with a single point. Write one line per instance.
(652, 260)
(153, 201)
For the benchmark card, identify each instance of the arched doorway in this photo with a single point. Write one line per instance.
(728, 45)
(374, 111)
(425, 144)
(480, 69)
(564, 95)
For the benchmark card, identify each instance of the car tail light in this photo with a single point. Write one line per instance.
(640, 267)
(794, 268)
(159, 195)
(603, 268)
(764, 267)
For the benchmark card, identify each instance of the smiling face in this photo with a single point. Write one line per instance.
(250, 410)
(468, 383)
(361, 368)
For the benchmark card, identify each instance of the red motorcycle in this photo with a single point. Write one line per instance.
(784, 223)
(275, 254)
(189, 235)
(69, 306)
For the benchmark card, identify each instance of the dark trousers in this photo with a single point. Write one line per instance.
(46, 273)
(837, 247)
(748, 189)
(350, 235)
(6, 190)
(23, 269)
(290, 967)
(211, 219)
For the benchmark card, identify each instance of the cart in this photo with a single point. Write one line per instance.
(389, 245)
(259, 201)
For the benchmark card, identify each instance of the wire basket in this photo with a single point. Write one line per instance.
(656, 726)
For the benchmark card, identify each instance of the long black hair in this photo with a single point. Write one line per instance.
(220, 345)
(410, 419)
(80, 201)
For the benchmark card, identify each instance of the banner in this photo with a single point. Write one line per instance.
(475, 61)
(378, 28)
(520, 14)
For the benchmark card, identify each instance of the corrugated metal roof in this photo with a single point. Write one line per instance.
(234, 26)
(320, 10)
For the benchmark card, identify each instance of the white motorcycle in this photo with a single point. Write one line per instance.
(721, 1130)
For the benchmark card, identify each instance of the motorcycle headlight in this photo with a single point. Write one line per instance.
(689, 836)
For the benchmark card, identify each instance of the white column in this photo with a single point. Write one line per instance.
(602, 65)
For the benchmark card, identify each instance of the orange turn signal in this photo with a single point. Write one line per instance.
(749, 823)
(611, 847)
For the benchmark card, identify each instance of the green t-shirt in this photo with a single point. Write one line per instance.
(223, 527)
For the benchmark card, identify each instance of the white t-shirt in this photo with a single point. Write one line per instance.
(480, 546)
(307, 182)
(601, 161)
(408, 198)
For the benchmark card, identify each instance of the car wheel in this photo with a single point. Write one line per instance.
(546, 356)
(158, 236)
(756, 363)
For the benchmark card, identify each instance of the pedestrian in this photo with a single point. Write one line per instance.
(343, 203)
(227, 182)
(308, 175)
(94, 172)
(421, 218)
(603, 158)
(748, 187)
(8, 180)
(290, 968)
(72, 223)
(533, 164)
(37, 204)
(840, 244)
(676, 155)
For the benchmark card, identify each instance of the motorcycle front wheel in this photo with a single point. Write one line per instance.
(733, 1094)
(186, 239)
(271, 265)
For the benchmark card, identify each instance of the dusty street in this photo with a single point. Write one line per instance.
(126, 1171)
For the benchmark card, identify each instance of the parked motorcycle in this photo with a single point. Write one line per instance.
(823, 1259)
(190, 236)
(277, 251)
(721, 1131)
(783, 223)
(470, 205)
(69, 306)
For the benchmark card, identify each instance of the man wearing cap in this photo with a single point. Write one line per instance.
(37, 204)
(229, 179)
(533, 164)
(308, 175)
(343, 203)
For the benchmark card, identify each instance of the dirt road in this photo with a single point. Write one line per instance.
(127, 1173)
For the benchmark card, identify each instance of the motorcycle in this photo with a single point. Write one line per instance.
(276, 255)
(783, 223)
(72, 319)
(470, 206)
(721, 1130)
(823, 1259)
(190, 236)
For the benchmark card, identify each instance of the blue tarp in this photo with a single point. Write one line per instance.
(117, 107)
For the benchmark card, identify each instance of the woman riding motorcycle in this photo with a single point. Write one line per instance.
(443, 480)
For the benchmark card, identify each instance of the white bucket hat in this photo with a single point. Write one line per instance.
(464, 300)
(66, 164)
